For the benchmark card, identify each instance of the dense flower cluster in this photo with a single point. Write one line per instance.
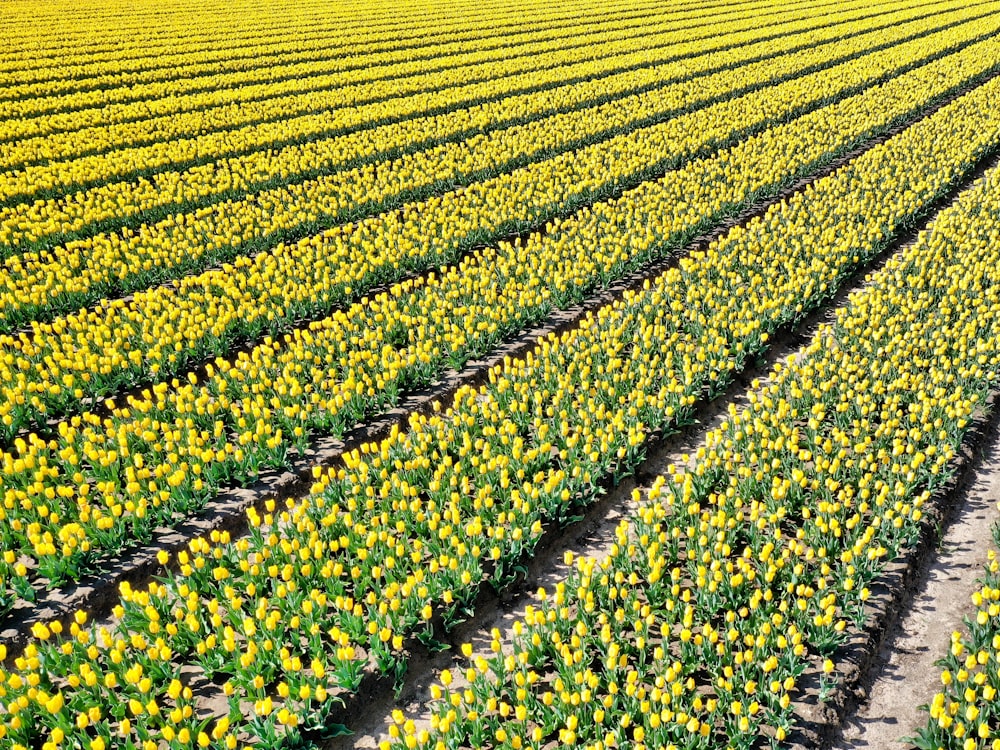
(160, 331)
(332, 584)
(742, 568)
(107, 480)
(443, 89)
(309, 87)
(158, 82)
(175, 56)
(268, 161)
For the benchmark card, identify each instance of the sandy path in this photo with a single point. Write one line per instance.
(906, 677)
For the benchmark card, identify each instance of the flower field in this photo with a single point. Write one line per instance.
(235, 235)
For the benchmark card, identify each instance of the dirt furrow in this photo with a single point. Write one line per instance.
(904, 674)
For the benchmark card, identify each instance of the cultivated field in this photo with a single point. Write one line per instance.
(512, 374)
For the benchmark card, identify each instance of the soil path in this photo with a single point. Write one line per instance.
(905, 676)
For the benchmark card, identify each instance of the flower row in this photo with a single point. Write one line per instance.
(963, 715)
(47, 221)
(744, 567)
(368, 105)
(160, 331)
(108, 479)
(330, 84)
(104, 76)
(286, 619)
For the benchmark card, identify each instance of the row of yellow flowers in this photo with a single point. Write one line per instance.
(292, 614)
(45, 222)
(162, 330)
(61, 176)
(83, 271)
(106, 480)
(333, 83)
(317, 90)
(111, 71)
(744, 567)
